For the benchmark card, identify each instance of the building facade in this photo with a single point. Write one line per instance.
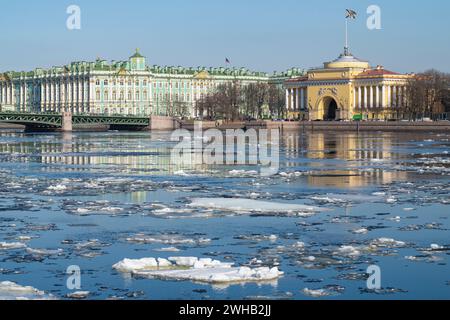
(128, 87)
(346, 89)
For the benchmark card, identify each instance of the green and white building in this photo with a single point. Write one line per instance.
(128, 87)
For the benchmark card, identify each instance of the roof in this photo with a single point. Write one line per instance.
(299, 79)
(379, 71)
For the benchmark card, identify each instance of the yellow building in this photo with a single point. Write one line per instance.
(345, 89)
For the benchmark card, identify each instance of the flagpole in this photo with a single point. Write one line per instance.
(346, 37)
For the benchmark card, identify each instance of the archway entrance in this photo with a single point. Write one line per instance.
(330, 109)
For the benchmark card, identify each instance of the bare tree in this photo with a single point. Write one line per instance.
(427, 94)
(276, 101)
(255, 96)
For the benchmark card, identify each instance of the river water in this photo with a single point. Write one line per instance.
(93, 199)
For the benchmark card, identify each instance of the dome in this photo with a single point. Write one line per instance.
(347, 60)
(137, 55)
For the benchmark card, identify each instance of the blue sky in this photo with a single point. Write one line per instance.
(263, 35)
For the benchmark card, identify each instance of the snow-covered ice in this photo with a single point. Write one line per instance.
(194, 269)
(255, 206)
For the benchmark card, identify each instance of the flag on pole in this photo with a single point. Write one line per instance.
(227, 60)
(350, 14)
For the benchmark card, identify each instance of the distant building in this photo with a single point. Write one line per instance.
(344, 89)
(125, 87)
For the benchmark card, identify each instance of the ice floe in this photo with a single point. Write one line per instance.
(254, 206)
(78, 295)
(387, 242)
(169, 239)
(12, 245)
(12, 291)
(194, 269)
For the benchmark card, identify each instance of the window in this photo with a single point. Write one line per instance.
(121, 82)
(121, 95)
(105, 82)
(114, 96)
(97, 95)
(130, 96)
(137, 96)
(144, 83)
(97, 82)
(105, 95)
(129, 83)
(145, 96)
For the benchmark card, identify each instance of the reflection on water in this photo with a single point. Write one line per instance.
(93, 199)
(360, 159)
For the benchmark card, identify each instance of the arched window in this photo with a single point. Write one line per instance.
(105, 82)
(105, 95)
(97, 95)
(130, 96)
(114, 96)
(137, 96)
(122, 95)
(145, 95)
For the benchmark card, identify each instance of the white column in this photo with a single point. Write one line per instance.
(395, 96)
(383, 96)
(365, 97)
(359, 98)
(302, 98)
(371, 97)
(389, 100)
(287, 99)
(297, 99)
(292, 100)
(377, 88)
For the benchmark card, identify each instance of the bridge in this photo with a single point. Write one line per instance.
(66, 121)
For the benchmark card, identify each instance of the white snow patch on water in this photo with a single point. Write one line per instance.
(12, 291)
(250, 205)
(168, 249)
(243, 173)
(348, 251)
(316, 293)
(58, 187)
(360, 231)
(44, 252)
(387, 242)
(195, 269)
(166, 239)
(78, 295)
(12, 245)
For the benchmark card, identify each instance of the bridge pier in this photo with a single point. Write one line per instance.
(163, 123)
(66, 124)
